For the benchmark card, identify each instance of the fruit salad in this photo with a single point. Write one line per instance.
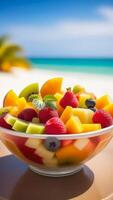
(53, 111)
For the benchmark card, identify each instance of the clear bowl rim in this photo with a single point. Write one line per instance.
(62, 136)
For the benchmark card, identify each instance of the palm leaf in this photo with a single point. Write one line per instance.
(20, 62)
(9, 51)
(3, 40)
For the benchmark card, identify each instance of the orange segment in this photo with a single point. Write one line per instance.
(10, 99)
(74, 125)
(51, 86)
(109, 109)
(103, 101)
(67, 113)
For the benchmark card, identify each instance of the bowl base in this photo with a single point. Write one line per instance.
(56, 172)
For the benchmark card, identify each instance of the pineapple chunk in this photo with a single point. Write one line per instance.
(60, 109)
(82, 99)
(67, 113)
(91, 127)
(85, 115)
(74, 125)
(103, 101)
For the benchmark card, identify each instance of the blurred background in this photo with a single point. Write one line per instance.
(57, 35)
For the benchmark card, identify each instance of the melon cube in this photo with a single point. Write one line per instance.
(80, 144)
(85, 115)
(53, 162)
(33, 143)
(74, 125)
(44, 153)
(103, 101)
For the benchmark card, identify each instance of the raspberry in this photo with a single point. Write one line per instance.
(46, 113)
(55, 126)
(69, 99)
(103, 117)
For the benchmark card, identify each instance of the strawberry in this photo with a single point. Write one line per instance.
(69, 99)
(55, 126)
(103, 117)
(46, 113)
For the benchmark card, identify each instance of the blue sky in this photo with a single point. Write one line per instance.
(65, 28)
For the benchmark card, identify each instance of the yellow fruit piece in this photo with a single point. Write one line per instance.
(85, 115)
(103, 101)
(14, 111)
(109, 109)
(21, 103)
(75, 153)
(82, 98)
(91, 127)
(67, 113)
(59, 96)
(51, 86)
(74, 125)
(10, 99)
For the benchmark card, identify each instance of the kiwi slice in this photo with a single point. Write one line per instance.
(10, 119)
(4, 110)
(20, 125)
(35, 129)
(29, 90)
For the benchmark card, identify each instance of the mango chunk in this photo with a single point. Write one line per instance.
(74, 125)
(91, 127)
(67, 113)
(85, 115)
(109, 109)
(103, 101)
(51, 86)
(75, 153)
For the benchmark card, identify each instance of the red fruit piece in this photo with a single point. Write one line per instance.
(55, 126)
(27, 114)
(69, 99)
(28, 152)
(103, 117)
(3, 123)
(66, 142)
(47, 113)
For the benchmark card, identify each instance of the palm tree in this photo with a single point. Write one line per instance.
(11, 55)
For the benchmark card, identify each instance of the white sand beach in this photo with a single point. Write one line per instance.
(99, 84)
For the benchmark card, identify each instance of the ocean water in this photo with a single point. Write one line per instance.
(84, 65)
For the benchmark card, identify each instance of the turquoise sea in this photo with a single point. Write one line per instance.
(85, 65)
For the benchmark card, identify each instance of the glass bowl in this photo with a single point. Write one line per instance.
(56, 155)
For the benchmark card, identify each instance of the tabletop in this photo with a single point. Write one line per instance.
(94, 182)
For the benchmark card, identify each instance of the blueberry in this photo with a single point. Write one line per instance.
(90, 103)
(52, 143)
